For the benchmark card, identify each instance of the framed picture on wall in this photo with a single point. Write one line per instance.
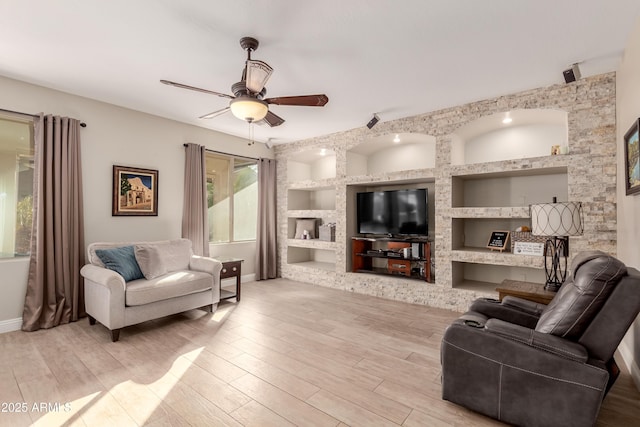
(135, 191)
(631, 159)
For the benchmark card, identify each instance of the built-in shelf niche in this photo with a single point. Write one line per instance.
(531, 133)
(314, 165)
(470, 233)
(311, 199)
(510, 189)
(486, 277)
(321, 217)
(380, 155)
(312, 257)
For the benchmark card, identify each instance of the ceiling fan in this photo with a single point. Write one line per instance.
(248, 102)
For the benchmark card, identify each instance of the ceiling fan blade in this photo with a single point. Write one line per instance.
(257, 74)
(304, 100)
(272, 120)
(197, 89)
(215, 113)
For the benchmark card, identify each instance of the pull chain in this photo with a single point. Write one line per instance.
(251, 141)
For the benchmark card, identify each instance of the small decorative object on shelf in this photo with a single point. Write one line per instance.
(525, 243)
(498, 240)
(557, 221)
(328, 232)
(305, 228)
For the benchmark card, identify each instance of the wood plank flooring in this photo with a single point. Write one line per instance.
(290, 354)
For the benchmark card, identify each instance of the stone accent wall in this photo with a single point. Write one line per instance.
(591, 174)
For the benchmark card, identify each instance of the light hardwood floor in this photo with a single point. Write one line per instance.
(287, 354)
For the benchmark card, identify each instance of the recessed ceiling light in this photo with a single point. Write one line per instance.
(323, 151)
(396, 139)
(507, 119)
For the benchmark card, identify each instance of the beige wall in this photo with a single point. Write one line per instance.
(116, 135)
(628, 110)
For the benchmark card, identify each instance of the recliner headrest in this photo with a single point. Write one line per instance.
(580, 298)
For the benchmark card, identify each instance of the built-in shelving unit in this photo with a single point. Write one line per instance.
(311, 194)
(481, 174)
(492, 190)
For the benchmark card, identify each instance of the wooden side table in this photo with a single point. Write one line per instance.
(231, 267)
(527, 290)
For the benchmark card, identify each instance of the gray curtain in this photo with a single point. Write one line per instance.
(266, 250)
(195, 224)
(55, 289)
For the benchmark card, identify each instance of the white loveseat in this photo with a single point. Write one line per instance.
(174, 280)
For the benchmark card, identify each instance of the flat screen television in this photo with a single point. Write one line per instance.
(395, 212)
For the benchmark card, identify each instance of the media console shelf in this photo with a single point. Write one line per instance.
(386, 255)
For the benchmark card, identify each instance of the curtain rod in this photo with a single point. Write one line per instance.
(228, 154)
(82, 124)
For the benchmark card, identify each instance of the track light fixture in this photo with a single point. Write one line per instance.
(572, 74)
(373, 121)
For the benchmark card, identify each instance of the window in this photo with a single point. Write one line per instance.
(16, 186)
(232, 198)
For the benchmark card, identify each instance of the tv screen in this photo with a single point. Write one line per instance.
(395, 212)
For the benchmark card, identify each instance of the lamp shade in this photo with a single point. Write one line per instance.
(556, 219)
(249, 109)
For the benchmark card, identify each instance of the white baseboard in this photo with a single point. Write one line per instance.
(631, 364)
(10, 325)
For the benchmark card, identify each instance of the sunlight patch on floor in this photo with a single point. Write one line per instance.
(139, 400)
(63, 413)
(221, 314)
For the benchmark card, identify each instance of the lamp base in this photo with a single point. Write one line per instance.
(552, 287)
(555, 262)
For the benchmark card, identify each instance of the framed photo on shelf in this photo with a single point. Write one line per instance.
(135, 191)
(632, 159)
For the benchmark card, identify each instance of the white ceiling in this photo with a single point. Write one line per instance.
(395, 58)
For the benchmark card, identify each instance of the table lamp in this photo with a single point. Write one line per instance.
(557, 221)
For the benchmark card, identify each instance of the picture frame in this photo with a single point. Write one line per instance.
(498, 240)
(135, 191)
(632, 159)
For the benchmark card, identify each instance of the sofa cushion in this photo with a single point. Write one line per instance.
(122, 260)
(170, 285)
(580, 298)
(150, 261)
(175, 254)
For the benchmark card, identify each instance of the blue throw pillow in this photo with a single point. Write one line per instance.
(121, 260)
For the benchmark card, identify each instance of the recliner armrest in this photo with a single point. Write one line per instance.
(493, 308)
(547, 342)
(530, 307)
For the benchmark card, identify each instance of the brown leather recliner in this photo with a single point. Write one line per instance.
(534, 365)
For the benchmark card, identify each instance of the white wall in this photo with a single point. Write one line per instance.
(517, 142)
(116, 135)
(324, 168)
(403, 157)
(627, 111)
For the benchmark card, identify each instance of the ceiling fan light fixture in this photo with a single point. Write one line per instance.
(258, 73)
(249, 109)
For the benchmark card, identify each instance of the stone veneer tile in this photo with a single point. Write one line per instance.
(591, 177)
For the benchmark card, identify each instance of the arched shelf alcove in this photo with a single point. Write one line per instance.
(392, 153)
(529, 133)
(315, 165)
